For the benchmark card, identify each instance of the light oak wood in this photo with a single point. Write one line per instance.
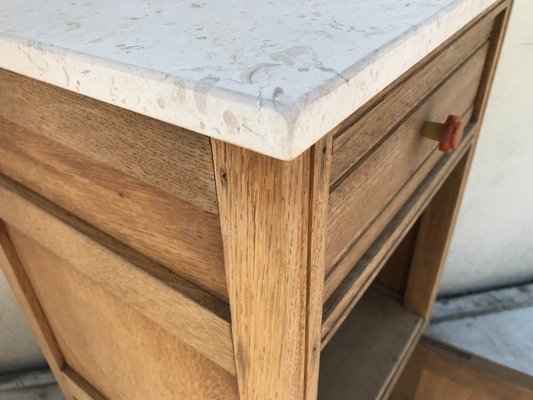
(335, 276)
(438, 221)
(119, 351)
(160, 297)
(360, 199)
(439, 371)
(181, 236)
(362, 361)
(170, 158)
(318, 202)
(26, 297)
(272, 218)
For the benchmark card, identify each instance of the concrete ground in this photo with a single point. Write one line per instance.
(497, 325)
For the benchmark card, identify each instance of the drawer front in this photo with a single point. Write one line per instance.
(355, 137)
(380, 160)
(140, 181)
(126, 331)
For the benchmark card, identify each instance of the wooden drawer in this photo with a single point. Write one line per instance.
(131, 331)
(381, 158)
(147, 184)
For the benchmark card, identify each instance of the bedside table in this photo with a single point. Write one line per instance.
(182, 221)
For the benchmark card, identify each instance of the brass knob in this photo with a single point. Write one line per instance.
(448, 134)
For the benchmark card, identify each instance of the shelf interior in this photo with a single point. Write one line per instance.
(366, 354)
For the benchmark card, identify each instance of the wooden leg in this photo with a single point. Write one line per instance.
(274, 267)
(433, 240)
(16, 276)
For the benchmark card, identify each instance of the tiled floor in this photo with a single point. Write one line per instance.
(497, 325)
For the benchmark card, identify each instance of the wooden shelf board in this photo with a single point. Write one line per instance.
(367, 353)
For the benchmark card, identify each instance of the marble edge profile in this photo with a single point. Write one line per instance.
(281, 130)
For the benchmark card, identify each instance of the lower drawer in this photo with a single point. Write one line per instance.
(127, 331)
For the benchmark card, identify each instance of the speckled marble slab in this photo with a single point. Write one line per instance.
(272, 76)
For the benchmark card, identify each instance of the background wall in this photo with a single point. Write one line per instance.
(493, 244)
(493, 241)
(18, 349)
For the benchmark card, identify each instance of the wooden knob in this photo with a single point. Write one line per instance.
(448, 134)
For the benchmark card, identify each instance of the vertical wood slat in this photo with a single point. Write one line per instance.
(321, 156)
(160, 155)
(438, 221)
(21, 286)
(273, 220)
(177, 234)
(112, 347)
(79, 388)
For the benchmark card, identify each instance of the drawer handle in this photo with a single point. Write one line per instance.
(448, 134)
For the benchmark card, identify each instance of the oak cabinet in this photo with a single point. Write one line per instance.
(156, 263)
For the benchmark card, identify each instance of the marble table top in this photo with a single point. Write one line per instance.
(271, 76)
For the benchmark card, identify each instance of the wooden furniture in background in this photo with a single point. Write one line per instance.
(438, 371)
(154, 263)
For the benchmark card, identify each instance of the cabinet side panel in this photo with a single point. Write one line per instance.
(183, 237)
(168, 157)
(118, 351)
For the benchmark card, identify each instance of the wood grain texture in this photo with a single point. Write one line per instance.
(27, 299)
(366, 355)
(360, 199)
(318, 203)
(183, 237)
(351, 145)
(117, 350)
(268, 210)
(438, 221)
(264, 213)
(439, 371)
(174, 160)
(360, 275)
(348, 293)
(434, 234)
(162, 298)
